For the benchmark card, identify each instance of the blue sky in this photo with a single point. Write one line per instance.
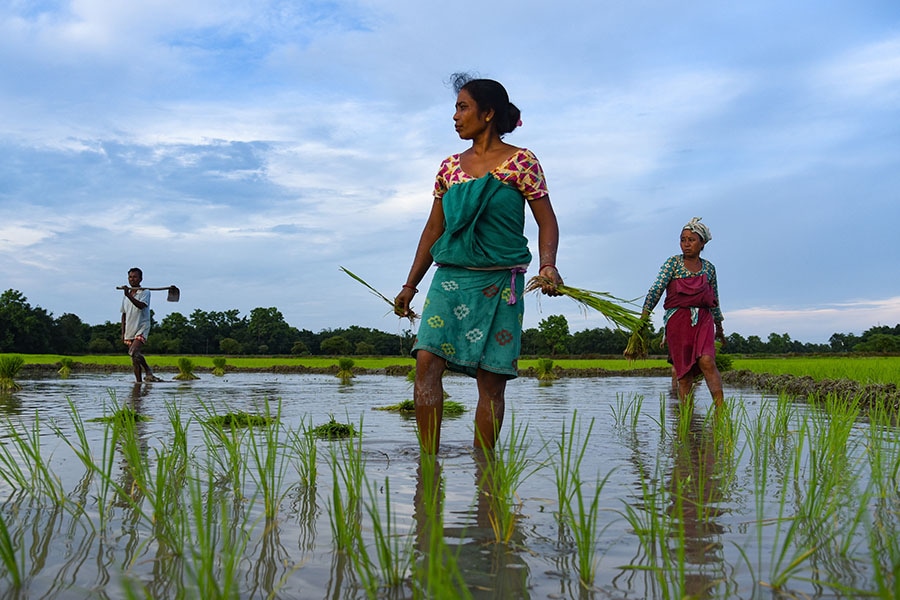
(244, 151)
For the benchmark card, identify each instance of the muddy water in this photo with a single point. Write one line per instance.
(63, 556)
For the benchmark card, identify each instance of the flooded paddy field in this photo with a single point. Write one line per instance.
(600, 488)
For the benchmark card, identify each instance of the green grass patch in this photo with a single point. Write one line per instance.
(241, 419)
(208, 362)
(123, 415)
(864, 369)
(607, 364)
(332, 430)
(452, 408)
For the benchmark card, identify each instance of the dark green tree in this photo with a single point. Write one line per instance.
(555, 330)
(23, 328)
(336, 344)
(779, 344)
(879, 342)
(70, 335)
(843, 342)
(230, 346)
(267, 327)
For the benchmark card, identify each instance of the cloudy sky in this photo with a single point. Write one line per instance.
(244, 151)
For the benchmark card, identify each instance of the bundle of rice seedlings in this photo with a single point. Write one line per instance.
(219, 365)
(334, 430)
(125, 415)
(614, 309)
(545, 370)
(65, 367)
(638, 342)
(10, 365)
(345, 369)
(412, 316)
(185, 369)
(241, 419)
(408, 407)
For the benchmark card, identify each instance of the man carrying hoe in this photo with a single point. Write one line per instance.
(136, 323)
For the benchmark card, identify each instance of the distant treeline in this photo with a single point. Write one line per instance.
(32, 330)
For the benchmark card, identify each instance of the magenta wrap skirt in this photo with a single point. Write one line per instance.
(688, 343)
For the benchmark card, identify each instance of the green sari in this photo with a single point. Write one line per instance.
(473, 311)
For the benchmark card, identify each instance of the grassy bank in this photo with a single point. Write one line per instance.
(864, 369)
(170, 362)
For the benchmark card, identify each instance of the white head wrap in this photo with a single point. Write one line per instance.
(699, 228)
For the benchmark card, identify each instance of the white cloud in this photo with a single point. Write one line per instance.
(247, 149)
(870, 74)
(816, 323)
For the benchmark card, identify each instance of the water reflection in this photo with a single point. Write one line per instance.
(681, 503)
(10, 404)
(488, 568)
(697, 483)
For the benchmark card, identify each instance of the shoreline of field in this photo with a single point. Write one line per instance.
(767, 376)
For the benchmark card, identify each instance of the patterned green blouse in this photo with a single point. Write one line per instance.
(674, 268)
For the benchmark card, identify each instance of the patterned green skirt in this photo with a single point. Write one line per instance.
(468, 321)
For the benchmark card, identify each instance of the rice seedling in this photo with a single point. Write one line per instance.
(270, 464)
(506, 467)
(567, 465)
(884, 549)
(10, 365)
(217, 545)
(653, 526)
(218, 366)
(883, 455)
(348, 474)
(82, 448)
(29, 466)
(407, 406)
(226, 449)
(627, 412)
(791, 549)
(9, 557)
(393, 550)
(452, 408)
(123, 416)
(333, 430)
(241, 419)
(638, 341)
(578, 508)
(785, 414)
(164, 491)
(436, 575)
(615, 310)
(345, 369)
(724, 362)
(307, 508)
(545, 370)
(65, 367)
(412, 316)
(185, 369)
(303, 442)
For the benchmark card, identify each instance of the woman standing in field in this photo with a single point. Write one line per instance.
(693, 319)
(472, 317)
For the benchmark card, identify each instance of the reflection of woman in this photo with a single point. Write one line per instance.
(693, 319)
(698, 485)
(472, 318)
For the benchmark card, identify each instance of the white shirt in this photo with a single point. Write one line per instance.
(137, 320)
